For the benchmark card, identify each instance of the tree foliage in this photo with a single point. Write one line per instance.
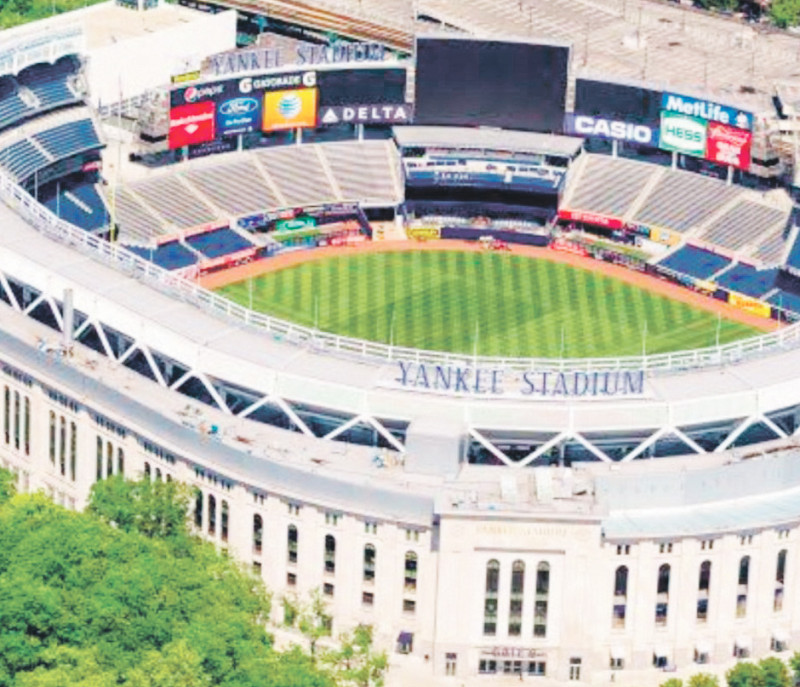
(745, 674)
(703, 680)
(123, 595)
(13, 12)
(311, 617)
(355, 662)
(785, 13)
(775, 672)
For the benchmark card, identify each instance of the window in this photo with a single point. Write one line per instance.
(120, 461)
(291, 540)
(291, 579)
(410, 571)
(294, 509)
(703, 586)
(707, 544)
(412, 535)
(147, 469)
(662, 595)
(258, 534)
(332, 519)
(665, 547)
(73, 450)
(109, 459)
(780, 572)
(515, 602)
(783, 534)
(574, 668)
(371, 527)
(741, 593)
(52, 449)
(17, 423)
(62, 446)
(198, 502)
(367, 598)
(99, 449)
(450, 663)
(486, 667)
(616, 663)
(327, 589)
(701, 656)
(330, 554)
(540, 668)
(490, 598)
(409, 606)
(623, 550)
(369, 563)
(620, 597)
(542, 593)
(7, 414)
(27, 426)
(158, 474)
(212, 514)
(746, 539)
(257, 568)
(223, 521)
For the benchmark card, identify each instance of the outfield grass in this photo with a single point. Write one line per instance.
(510, 305)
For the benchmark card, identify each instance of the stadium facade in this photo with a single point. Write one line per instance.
(580, 521)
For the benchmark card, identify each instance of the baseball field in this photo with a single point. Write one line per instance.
(490, 303)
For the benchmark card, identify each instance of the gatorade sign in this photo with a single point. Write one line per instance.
(683, 134)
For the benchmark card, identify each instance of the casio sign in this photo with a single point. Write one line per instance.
(607, 128)
(238, 106)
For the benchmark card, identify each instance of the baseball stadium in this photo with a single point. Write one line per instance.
(480, 318)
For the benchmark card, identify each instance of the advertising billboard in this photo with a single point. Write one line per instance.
(611, 129)
(472, 82)
(728, 145)
(238, 116)
(683, 134)
(366, 114)
(190, 124)
(292, 109)
(618, 101)
(707, 109)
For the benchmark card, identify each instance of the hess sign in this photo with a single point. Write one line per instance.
(683, 134)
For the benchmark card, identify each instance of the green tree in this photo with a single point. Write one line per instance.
(672, 682)
(355, 662)
(745, 674)
(775, 672)
(785, 13)
(703, 680)
(311, 617)
(794, 664)
(7, 485)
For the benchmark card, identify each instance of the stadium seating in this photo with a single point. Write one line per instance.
(695, 262)
(793, 259)
(363, 170)
(12, 107)
(298, 173)
(608, 186)
(237, 187)
(683, 200)
(79, 204)
(170, 256)
(173, 201)
(746, 279)
(743, 223)
(770, 248)
(785, 300)
(49, 82)
(218, 242)
(135, 220)
(69, 138)
(22, 159)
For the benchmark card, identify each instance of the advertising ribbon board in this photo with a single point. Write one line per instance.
(590, 218)
(728, 145)
(683, 134)
(748, 304)
(292, 109)
(610, 129)
(190, 124)
(295, 223)
(238, 116)
(401, 113)
(706, 110)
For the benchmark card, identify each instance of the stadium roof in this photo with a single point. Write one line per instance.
(487, 139)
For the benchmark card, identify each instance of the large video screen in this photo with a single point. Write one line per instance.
(357, 86)
(617, 101)
(512, 85)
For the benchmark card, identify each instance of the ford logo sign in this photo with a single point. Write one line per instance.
(238, 106)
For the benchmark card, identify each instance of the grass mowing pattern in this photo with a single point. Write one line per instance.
(513, 305)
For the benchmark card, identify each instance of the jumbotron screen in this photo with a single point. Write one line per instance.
(357, 86)
(512, 85)
(628, 103)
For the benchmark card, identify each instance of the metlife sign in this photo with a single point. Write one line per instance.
(366, 114)
(706, 109)
(683, 134)
(611, 129)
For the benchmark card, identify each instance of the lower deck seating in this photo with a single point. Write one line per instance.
(695, 262)
(748, 280)
(79, 204)
(786, 301)
(170, 256)
(218, 242)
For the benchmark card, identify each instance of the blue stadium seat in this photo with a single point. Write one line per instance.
(748, 280)
(22, 159)
(170, 256)
(786, 300)
(218, 242)
(695, 262)
(49, 82)
(12, 108)
(793, 260)
(79, 204)
(70, 138)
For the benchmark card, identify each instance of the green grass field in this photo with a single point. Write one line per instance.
(510, 305)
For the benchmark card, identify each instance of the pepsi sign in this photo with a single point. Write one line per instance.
(238, 116)
(611, 129)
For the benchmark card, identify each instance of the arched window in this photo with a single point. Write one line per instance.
(369, 563)
(330, 553)
(198, 502)
(542, 594)
(73, 450)
(662, 592)
(291, 538)
(109, 459)
(744, 570)
(515, 601)
(158, 474)
(620, 597)
(52, 447)
(27, 426)
(120, 461)
(7, 414)
(780, 574)
(741, 592)
(99, 448)
(212, 510)
(490, 598)
(411, 571)
(223, 521)
(62, 446)
(16, 421)
(703, 586)
(258, 534)
(147, 469)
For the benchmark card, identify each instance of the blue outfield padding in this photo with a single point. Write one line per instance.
(696, 262)
(218, 242)
(170, 256)
(748, 280)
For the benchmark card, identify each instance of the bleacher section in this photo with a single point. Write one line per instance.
(136, 222)
(22, 159)
(363, 170)
(695, 262)
(68, 139)
(237, 187)
(174, 202)
(218, 242)
(742, 224)
(298, 173)
(746, 279)
(49, 83)
(170, 256)
(683, 200)
(608, 186)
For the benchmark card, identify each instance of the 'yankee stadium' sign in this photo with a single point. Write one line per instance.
(532, 384)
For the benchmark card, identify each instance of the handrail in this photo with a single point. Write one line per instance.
(43, 220)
